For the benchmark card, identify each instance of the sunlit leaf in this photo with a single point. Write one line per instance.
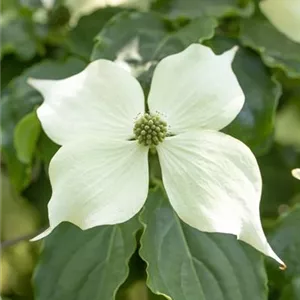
(26, 135)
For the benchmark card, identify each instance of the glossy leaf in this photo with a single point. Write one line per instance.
(196, 8)
(154, 39)
(196, 31)
(148, 28)
(276, 50)
(255, 123)
(81, 38)
(184, 263)
(140, 40)
(11, 67)
(19, 34)
(89, 264)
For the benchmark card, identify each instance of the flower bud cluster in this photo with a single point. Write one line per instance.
(150, 130)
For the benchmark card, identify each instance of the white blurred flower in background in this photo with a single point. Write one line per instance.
(296, 173)
(284, 15)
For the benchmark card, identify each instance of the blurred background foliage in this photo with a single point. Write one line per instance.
(57, 41)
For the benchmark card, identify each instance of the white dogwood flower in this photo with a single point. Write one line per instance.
(100, 174)
(284, 15)
(296, 173)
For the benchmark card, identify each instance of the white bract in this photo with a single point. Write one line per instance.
(284, 15)
(48, 4)
(100, 174)
(296, 173)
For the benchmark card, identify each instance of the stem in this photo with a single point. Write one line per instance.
(12, 242)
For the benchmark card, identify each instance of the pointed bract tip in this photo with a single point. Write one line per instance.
(234, 49)
(31, 81)
(41, 85)
(296, 173)
(230, 54)
(41, 235)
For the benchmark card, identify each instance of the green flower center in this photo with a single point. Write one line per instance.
(150, 130)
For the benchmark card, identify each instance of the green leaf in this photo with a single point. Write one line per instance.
(20, 99)
(140, 40)
(19, 34)
(276, 50)
(196, 8)
(46, 148)
(26, 135)
(285, 240)
(155, 41)
(81, 38)
(18, 172)
(184, 263)
(12, 67)
(292, 290)
(254, 125)
(38, 194)
(279, 186)
(196, 31)
(82, 265)
(148, 28)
